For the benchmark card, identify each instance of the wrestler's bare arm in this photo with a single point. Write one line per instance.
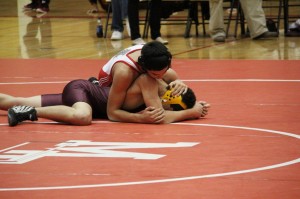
(123, 77)
(149, 88)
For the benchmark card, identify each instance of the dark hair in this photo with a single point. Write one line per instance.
(155, 56)
(189, 99)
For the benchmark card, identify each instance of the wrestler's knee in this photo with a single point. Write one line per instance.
(82, 114)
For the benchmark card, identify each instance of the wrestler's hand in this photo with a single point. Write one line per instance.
(178, 87)
(201, 109)
(205, 108)
(153, 115)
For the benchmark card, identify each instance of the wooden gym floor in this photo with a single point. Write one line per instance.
(248, 146)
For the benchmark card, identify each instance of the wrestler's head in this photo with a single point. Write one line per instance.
(181, 102)
(155, 57)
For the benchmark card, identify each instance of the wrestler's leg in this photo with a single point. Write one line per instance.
(76, 108)
(8, 101)
(79, 114)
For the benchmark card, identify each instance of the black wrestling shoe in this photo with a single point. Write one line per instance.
(94, 80)
(266, 35)
(18, 114)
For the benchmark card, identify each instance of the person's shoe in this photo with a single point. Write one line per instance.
(93, 11)
(94, 80)
(43, 9)
(138, 41)
(18, 114)
(30, 6)
(161, 40)
(127, 27)
(266, 35)
(219, 39)
(219, 36)
(116, 35)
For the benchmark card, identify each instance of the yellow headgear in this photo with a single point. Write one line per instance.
(167, 98)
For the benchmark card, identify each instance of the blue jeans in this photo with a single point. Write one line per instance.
(119, 12)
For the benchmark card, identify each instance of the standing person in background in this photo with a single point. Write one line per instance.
(155, 17)
(254, 15)
(41, 6)
(119, 9)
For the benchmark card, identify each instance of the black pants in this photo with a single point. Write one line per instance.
(154, 21)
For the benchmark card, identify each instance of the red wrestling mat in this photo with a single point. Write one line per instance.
(247, 147)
